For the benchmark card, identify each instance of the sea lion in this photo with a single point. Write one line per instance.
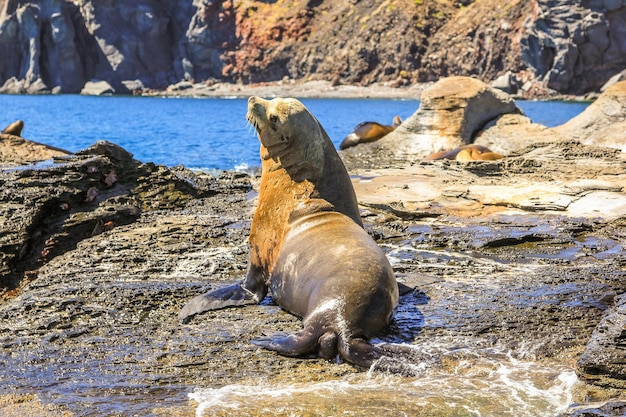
(14, 128)
(466, 153)
(307, 244)
(368, 132)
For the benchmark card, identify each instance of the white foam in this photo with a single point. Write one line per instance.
(243, 167)
(473, 382)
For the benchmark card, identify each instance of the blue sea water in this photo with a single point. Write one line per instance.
(201, 133)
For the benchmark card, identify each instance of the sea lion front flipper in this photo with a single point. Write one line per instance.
(231, 296)
(252, 290)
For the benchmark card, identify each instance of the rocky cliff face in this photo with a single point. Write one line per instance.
(570, 46)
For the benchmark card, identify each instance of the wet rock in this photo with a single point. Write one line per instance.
(506, 262)
(606, 409)
(604, 360)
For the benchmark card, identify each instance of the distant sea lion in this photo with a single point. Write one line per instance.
(14, 128)
(368, 132)
(466, 153)
(307, 244)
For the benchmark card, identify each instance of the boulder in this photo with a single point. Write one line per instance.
(507, 82)
(180, 86)
(13, 86)
(460, 110)
(620, 76)
(512, 132)
(602, 409)
(603, 123)
(97, 88)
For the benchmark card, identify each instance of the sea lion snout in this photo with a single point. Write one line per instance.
(267, 117)
(255, 112)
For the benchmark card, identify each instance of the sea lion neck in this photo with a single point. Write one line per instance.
(300, 160)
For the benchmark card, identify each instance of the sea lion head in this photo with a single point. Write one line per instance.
(290, 135)
(14, 128)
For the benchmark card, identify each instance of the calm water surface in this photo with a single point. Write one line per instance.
(209, 133)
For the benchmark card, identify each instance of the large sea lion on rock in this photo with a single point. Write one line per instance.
(307, 244)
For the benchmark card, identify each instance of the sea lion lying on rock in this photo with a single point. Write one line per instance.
(307, 244)
(466, 153)
(368, 132)
(14, 128)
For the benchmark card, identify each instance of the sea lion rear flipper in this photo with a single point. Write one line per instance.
(359, 352)
(231, 296)
(295, 345)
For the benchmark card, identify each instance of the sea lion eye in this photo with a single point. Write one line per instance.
(273, 118)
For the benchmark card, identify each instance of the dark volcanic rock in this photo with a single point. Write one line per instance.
(48, 209)
(606, 409)
(575, 46)
(604, 360)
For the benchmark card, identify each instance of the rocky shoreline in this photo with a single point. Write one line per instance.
(523, 255)
(318, 89)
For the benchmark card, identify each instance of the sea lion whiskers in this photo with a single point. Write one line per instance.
(252, 123)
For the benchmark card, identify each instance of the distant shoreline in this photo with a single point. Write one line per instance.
(305, 89)
(314, 89)
(291, 88)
